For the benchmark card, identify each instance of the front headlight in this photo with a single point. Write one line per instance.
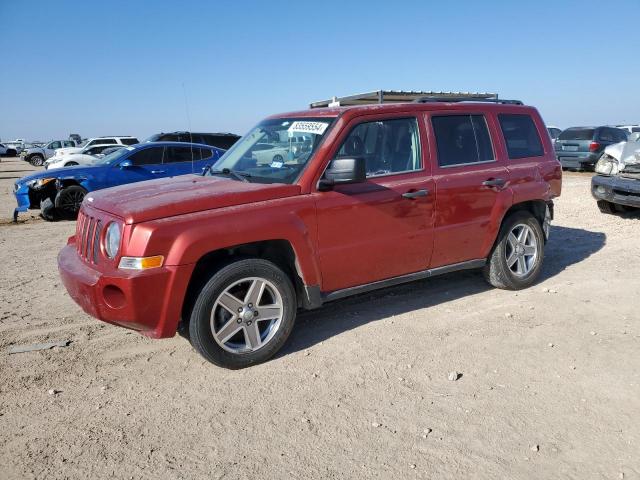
(39, 183)
(112, 240)
(607, 165)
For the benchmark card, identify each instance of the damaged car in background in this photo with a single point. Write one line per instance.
(59, 192)
(616, 187)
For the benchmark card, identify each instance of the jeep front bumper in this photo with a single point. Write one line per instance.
(147, 301)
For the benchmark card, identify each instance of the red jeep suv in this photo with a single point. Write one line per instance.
(313, 206)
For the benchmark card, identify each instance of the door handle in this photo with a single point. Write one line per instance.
(494, 182)
(157, 171)
(415, 194)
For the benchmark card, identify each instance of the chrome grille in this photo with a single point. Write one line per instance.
(88, 230)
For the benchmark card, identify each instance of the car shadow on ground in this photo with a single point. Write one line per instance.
(566, 247)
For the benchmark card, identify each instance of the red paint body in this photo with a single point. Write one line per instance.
(349, 236)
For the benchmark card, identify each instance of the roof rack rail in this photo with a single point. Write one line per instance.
(428, 99)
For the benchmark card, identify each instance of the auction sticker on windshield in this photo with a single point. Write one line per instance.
(316, 128)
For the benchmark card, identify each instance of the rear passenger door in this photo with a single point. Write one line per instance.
(470, 183)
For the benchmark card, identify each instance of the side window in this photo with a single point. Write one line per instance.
(54, 145)
(67, 143)
(520, 135)
(180, 154)
(606, 135)
(388, 146)
(205, 153)
(129, 141)
(462, 139)
(621, 135)
(106, 141)
(148, 156)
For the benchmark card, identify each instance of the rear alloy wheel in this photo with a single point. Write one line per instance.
(278, 158)
(516, 259)
(244, 314)
(36, 160)
(69, 199)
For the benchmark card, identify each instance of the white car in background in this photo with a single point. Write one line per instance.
(7, 150)
(111, 141)
(86, 156)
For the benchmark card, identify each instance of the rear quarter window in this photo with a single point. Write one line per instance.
(520, 136)
(129, 141)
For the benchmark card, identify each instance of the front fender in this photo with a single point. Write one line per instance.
(185, 239)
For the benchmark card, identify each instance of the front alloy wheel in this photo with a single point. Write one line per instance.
(247, 315)
(244, 314)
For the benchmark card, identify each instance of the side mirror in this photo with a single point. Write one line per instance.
(205, 169)
(343, 171)
(126, 164)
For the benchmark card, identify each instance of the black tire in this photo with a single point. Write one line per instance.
(70, 164)
(36, 160)
(201, 335)
(277, 158)
(607, 207)
(12, 153)
(69, 199)
(48, 210)
(497, 271)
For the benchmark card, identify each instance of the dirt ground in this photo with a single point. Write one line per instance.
(550, 384)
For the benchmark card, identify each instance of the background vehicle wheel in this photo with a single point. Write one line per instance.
(70, 164)
(12, 153)
(278, 158)
(36, 160)
(244, 314)
(607, 207)
(69, 199)
(48, 210)
(516, 259)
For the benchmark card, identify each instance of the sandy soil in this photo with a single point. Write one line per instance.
(550, 382)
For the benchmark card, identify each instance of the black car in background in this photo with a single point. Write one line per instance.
(219, 140)
(581, 147)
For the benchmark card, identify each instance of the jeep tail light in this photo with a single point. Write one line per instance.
(594, 146)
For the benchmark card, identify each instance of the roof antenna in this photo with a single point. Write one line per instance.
(186, 108)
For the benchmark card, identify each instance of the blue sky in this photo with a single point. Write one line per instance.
(118, 67)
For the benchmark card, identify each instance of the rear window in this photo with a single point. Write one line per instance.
(521, 136)
(129, 141)
(577, 134)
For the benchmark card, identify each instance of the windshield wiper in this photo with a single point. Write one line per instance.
(242, 176)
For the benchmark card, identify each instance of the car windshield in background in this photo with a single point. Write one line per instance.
(275, 151)
(152, 138)
(577, 134)
(113, 156)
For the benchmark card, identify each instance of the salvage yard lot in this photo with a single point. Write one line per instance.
(550, 384)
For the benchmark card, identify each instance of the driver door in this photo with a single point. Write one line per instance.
(146, 164)
(381, 228)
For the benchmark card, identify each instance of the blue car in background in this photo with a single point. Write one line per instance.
(59, 192)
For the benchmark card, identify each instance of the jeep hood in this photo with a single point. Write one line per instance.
(167, 197)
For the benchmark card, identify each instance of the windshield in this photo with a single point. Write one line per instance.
(275, 151)
(113, 156)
